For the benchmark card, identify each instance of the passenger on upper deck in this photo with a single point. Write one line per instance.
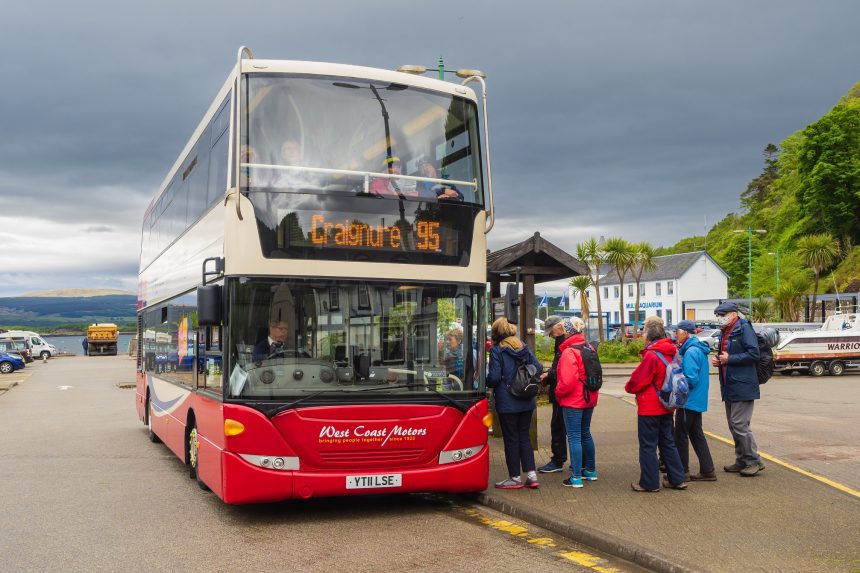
(388, 187)
(430, 189)
(291, 155)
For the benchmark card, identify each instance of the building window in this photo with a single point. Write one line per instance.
(617, 291)
(668, 316)
(659, 311)
(630, 317)
(629, 290)
(605, 292)
(658, 290)
(641, 289)
(617, 319)
(670, 287)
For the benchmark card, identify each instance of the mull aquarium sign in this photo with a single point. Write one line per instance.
(643, 305)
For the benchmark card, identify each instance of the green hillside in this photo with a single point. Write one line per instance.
(48, 314)
(809, 186)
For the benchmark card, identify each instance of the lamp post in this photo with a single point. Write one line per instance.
(749, 233)
(777, 266)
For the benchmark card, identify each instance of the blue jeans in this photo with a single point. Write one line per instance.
(577, 421)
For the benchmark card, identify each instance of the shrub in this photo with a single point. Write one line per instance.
(619, 351)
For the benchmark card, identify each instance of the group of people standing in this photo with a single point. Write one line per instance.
(671, 432)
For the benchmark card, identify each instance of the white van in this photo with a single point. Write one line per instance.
(40, 348)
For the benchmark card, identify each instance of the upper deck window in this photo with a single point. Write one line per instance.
(331, 134)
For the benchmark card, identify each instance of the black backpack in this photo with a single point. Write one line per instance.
(593, 369)
(525, 382)
(767, 339)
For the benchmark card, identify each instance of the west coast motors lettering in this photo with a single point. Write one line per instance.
(844, 346)
(425, 236)
(363, 434)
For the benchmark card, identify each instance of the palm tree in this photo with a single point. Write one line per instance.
(788, 299)
(621, 256)
(643, 262)
(580, 286)
(592, 256)
(818, 252)
(761, 310)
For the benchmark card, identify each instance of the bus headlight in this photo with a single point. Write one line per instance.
(282, 463)
(451, 456)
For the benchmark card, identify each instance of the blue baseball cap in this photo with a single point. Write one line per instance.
(725, 307)
(687, 325)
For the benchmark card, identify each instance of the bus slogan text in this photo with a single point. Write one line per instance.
(363, 435)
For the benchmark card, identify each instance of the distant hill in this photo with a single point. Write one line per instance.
(46, 313)
(76, 292)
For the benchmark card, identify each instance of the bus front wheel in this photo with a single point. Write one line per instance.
(148, 421)
(194, 456)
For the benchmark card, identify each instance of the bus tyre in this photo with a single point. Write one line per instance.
(148, 421)
(817, 368)
(193, 456)
(837, 367)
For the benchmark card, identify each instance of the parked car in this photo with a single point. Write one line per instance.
(711, 337)
(16, 345)
(10, 363)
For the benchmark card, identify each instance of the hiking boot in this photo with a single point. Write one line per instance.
(681, 485)
(550, 468)
(752, 470)
(532, 483)
(734, 468)
(704, 476)
(572, 482)
(637, 487)
(510, 483)
(589, 476)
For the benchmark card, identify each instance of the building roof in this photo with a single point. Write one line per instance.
(535, 256)
(669, 267)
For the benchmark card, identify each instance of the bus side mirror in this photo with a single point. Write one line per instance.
(512, 303)
(209, 305)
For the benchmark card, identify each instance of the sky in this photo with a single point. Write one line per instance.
(607, 118)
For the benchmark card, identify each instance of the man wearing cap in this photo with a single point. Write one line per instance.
(688, 420)
(737, 358)
(554, 328)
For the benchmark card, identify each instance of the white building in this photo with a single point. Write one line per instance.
(688, 285)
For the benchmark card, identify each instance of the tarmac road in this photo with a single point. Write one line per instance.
(84, 490)
(808, 422)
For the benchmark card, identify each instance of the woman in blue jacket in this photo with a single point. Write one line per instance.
(515, 414)
(688, 420)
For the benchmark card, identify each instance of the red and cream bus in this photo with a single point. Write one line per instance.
(314, 267)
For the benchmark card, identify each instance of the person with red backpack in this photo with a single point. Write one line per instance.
(577, 402)
(655, 423)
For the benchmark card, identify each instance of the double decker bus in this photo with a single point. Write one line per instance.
(315, 260)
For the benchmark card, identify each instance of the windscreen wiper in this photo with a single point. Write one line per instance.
(448, 398)
(293, 404)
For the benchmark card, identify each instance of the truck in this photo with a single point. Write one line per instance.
(833, 348)
(101, 339)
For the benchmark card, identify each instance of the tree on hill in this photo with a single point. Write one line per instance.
(758, 189)
(819, 252)
(828, 162)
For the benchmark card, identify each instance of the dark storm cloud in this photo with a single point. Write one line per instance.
(624, 118)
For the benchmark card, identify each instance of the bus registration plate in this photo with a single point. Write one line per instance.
(374, 481)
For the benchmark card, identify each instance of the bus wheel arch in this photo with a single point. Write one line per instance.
(147, 420)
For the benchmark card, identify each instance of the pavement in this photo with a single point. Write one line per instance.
(780, 520)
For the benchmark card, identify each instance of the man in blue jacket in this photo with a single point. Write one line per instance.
(737, 359)
(688, 420)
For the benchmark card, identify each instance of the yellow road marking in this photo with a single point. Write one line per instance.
(579, 557)
(770, 458)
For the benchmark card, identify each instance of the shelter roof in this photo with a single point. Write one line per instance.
(535, 256)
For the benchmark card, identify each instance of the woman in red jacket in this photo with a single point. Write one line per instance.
(577, 404)
(655, 421)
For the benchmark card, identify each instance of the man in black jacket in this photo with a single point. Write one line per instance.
(558, 440)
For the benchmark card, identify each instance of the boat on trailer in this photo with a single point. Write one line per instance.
(833, 347)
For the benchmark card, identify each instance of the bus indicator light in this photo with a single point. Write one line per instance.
(488, 420)
(233, 428)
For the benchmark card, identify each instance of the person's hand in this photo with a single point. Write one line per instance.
(543, 376)
(723, 357)
(448, 193)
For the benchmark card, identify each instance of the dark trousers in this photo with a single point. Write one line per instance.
(518, 448)
(654, 431)
(688, 429)
(558, 433)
